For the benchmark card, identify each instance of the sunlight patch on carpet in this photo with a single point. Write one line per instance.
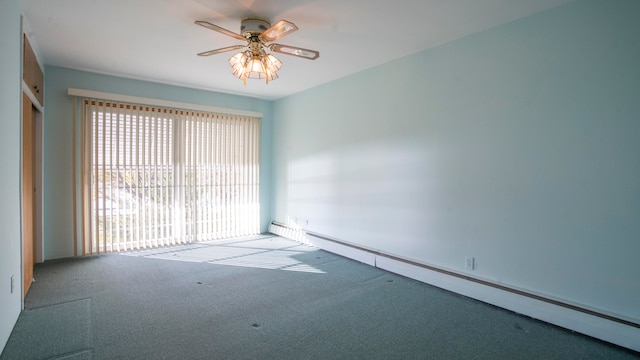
(273, 253)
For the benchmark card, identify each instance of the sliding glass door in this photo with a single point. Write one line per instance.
(157, 176)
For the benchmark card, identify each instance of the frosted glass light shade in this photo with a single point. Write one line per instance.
(238, 62)
(255, 69)
(255, 66)
(273, 64)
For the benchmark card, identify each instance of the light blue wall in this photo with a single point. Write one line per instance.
(57, 192)
(518, 146)
(10, 109)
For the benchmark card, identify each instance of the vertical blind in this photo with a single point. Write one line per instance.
(158, 176)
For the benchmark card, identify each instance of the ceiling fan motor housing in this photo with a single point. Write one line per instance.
(253, 27)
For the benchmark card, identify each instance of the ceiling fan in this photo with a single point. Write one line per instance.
(254, 61)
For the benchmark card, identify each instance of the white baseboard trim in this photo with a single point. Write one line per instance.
(603, 329)
(618, 333)
(346, 251)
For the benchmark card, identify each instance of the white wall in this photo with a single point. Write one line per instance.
(57, 191)
(517, 146)
(10, 98)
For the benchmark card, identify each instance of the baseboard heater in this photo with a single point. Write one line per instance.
(607, 327)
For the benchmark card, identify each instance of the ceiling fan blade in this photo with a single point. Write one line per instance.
(221, 50)
(278, 30)
(217, 28)
(295, 51)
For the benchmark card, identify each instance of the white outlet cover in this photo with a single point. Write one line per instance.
(469, 263)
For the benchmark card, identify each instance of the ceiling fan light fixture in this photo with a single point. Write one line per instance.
(238, 60)
(271, 76)
(273, 64)
(255, 62)
(255, 66)
(238, 72)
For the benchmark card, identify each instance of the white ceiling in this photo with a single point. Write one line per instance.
(157, 40)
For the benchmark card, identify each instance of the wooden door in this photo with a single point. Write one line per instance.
(28, 208)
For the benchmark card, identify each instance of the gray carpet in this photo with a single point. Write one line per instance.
(267, 298)
(84, 355)
(52, 331)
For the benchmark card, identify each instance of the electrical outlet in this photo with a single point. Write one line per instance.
(469, 263)
(12, 284)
